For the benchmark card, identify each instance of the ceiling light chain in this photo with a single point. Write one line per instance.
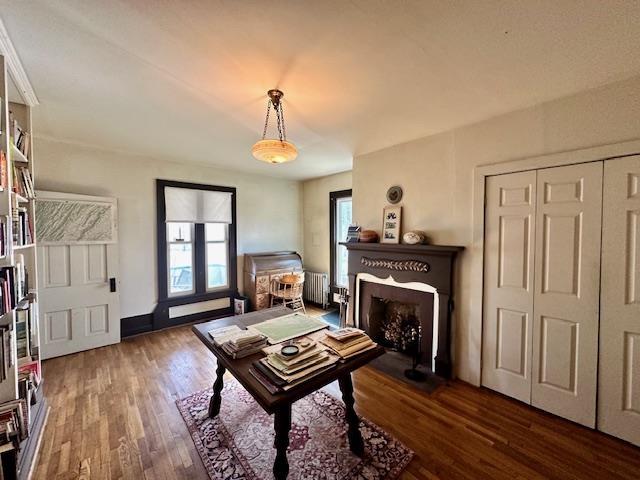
(275, 151)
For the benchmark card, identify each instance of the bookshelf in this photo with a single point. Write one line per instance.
(23, 407)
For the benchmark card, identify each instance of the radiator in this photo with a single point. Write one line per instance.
(316, 288)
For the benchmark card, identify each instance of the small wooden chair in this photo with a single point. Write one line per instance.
(287, 290)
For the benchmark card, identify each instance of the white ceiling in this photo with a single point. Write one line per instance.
(186, 80)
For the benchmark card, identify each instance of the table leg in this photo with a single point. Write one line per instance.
(216, 399)
(355, 437)
(282, 425)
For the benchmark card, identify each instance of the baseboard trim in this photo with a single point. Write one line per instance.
(136, 325)
(139, 324)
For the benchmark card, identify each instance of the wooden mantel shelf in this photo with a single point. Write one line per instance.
(445, 250)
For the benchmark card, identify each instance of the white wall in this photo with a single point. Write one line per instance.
(316, 219)
(268, 209)
(437, 176)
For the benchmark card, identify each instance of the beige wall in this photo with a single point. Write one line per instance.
(437, 176)
(268, 209)
(315, 194)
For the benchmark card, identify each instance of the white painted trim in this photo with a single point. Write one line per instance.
(571, 157)
(419, 286)
(192, 308)
(18, 74)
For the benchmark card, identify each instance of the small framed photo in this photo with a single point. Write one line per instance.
(391, 222)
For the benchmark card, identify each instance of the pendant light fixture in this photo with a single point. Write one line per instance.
(274, 150)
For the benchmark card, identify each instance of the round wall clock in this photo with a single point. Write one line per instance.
(394, 194)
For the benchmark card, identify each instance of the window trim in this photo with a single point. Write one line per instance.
(199, 242)
(333, 231)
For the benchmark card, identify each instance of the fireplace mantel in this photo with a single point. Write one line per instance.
(429, 264)
(445, 250)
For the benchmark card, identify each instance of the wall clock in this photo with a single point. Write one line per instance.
(394, 194)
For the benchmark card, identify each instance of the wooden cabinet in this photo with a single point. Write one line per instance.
(261, 269)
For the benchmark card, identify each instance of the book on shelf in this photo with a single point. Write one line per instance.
(3, 235)
(4, 170)
(20, 137)
(22, 182)
(8, 292)
(22, 227)
(22, 333)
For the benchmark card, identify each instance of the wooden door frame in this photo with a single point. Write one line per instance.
(480, 173)
(333, 202)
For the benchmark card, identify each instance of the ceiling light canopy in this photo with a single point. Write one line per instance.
(274, 150)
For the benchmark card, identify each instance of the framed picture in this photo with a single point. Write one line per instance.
(391, 221)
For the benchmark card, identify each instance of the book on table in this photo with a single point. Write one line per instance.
(348, 342)
(278, 372)
(237, 343)
(288, 327)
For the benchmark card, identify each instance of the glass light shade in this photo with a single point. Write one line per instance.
(274, 151)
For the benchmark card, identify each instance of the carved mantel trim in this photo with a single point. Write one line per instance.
(397, 265)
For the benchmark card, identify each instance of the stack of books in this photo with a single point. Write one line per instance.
(278, 372)
(237, 343)
(348, 342)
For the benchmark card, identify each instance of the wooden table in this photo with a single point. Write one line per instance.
(280, 403)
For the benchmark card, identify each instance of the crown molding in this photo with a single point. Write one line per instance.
(16, 70)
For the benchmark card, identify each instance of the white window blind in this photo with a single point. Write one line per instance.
(197, 206)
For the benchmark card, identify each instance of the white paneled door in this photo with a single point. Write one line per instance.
(619, 376)
(77, 270)
(508, 283)
(567, 291)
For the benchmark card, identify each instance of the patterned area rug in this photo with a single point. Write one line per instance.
(238, 443)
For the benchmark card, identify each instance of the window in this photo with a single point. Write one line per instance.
(217, 261)
(343, 220)
(196, 242)
(340, 219)
(180, 255)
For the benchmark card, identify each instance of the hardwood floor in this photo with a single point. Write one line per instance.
(113, 416)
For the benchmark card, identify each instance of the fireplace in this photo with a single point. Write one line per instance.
(392, 314)
(398, 291)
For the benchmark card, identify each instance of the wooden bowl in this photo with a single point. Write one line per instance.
(368, 236)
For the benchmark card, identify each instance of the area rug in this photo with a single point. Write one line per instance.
(238, 443)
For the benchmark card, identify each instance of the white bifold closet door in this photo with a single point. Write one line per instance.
(508, 284)
(541, 288)
(619, 377)
(567, 291)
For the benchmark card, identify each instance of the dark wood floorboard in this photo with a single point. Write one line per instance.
(113, 415)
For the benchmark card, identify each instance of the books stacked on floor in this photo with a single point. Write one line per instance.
(237, 343)
(278, 371)
(348, 342)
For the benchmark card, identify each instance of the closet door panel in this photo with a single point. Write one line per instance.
(566, 294)
(508, 284)
(619, 374)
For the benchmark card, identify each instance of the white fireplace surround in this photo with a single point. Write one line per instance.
(419, 286)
